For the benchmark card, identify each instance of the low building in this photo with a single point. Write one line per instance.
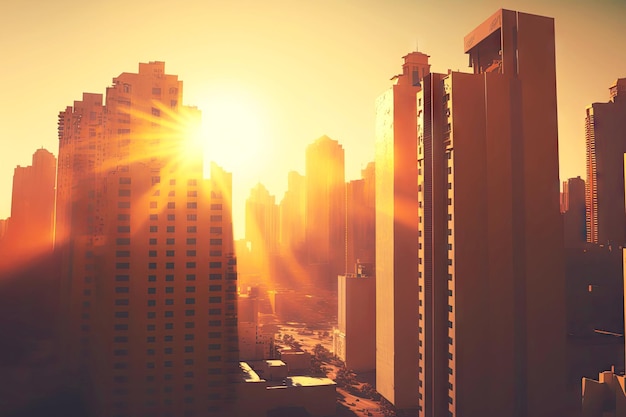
(605, 397)
(260, 397)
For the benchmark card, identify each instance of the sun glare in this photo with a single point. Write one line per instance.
(233, 130)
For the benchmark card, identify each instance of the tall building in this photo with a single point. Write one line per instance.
(361, 219)
(605, 135)
(574, 212)
(325, 210)
(32, 208)
(397, 235)
(262, 228)
(292, 209)
(490, 264)
(150, 280)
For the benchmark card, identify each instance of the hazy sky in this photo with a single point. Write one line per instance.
(272, 76)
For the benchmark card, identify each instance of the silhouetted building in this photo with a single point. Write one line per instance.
(361, 219)
(262, 229)
(150, 280)
(32, 209)
(396, 235)
(605, 135)
(292, 212)
(325, 214)
(490, 259)
(574, 212)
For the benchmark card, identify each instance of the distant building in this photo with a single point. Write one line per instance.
(605, 135)
(262, 228)
(361, 219)
(32, 208)
(574, 212)
(605, 397)
(354, 339)
(325, 212)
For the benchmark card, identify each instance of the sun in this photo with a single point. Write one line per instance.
(234, 131)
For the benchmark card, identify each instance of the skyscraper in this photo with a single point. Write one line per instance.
(397, 234)
(325, 210)
(32, 208)
(574, 212)
(605, 136)
(491, 279)
(361, 219)
(262, 228)
(292, 211)
(146, 243)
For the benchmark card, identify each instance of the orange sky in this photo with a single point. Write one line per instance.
(272, 76)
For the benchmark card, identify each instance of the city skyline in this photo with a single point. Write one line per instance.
(321, 79)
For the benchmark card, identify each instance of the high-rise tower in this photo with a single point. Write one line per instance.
(605, 135)
(146, 242)
(32, 209)
(325, 210)
(396, 235)
(491, 279)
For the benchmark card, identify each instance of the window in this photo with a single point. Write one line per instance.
(156, 91)
(152, 241)
(151, 290)
(215, 253)
(215, 311)
(169, 290)
(191, 229)
(168, 338)
(215, 276)
(154, 217)
(123, 204)
(154, 229)
(191, 277)
(121, 314)
(121, 302)
(171, 217)
(191, 264)
(151, 315)
(171, 229)
(215, 300)
(151, 303)
(169, 265)
(216, 230)
(192, 217)
(191, 241)
(120, 327)
(169, 314)
(169, 278)
(151, 278)
(190, 289)
(190, 300)
(215, 264)
(121, 290)
(171, 205)
(216, 206)
(123, 229)
(215, 241)
(169, 253)
(122, 277)
(215, 288)
(169, 326)
(169, 301)
(123, 193)
(168, 350)
(190, 313)
(189, 325)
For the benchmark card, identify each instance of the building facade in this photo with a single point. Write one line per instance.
(147, 252)
(490, 275)
(397, 236)
(325, 212)
(605, 136)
